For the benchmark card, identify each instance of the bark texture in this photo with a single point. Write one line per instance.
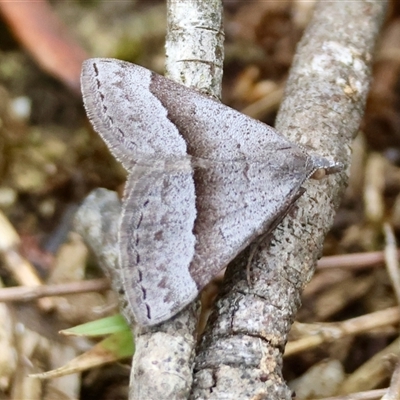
(163, 361)
(195, 44)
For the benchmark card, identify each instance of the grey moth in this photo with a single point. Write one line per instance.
(204, 181)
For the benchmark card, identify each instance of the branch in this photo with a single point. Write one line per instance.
(241, 352)
(97, 221)
(162, 364)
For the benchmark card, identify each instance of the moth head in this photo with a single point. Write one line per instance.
(325, 167)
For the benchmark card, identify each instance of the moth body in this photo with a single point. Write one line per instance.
(204, 181)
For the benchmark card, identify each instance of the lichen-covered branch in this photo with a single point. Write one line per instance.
(241, 353)
(195, 44)
(163, 361)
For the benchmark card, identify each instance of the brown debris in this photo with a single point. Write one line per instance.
(42, 33)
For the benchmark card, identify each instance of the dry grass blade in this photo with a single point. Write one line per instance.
(25, 293)
(20, 268)
(368, 395)
(391, 259)
(354, 261)
(317, 334)
(393, 392)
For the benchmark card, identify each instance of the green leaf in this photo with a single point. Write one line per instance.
(101, 327)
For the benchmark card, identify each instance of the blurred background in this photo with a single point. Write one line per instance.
(50, 159)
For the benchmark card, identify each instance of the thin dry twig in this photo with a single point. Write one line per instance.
(392, 262)
(393, 392)
(373, 372)
(373, 189)
(20, 268)
(318, 334)
(354, 261)
(264, 105)
(367, 395)
(25, 293)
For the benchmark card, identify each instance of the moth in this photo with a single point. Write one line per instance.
(203, 181)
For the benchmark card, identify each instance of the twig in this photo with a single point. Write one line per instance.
(392, 262)
(97, 221)
(373, 372)
(368, 395)
(20, 268)
(393, 392)
(354, 261)
(327, 332)
(25, 293)
(265, 105)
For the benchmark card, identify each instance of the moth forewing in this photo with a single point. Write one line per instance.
(204, 181)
